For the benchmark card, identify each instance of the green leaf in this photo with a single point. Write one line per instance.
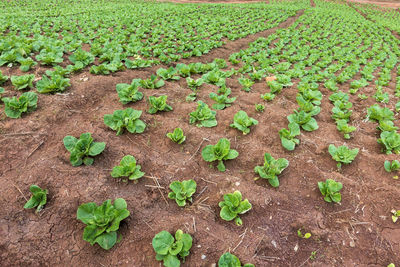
(227, 214)
(96, 148)
(162, 242)
(107, 240)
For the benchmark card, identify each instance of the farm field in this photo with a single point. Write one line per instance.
(273, 99)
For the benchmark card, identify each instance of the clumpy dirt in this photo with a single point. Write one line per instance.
(357, 232)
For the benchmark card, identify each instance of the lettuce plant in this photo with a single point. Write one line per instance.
(246, 84)
(243, 122)
(288, 136)
(14, 107)
(169, 249)
(377, 114)
(219, 152)
(330, 190)
(390, 142)
(26, 64)
(38, 198)
(81, 57)
(102, 222)
(222, 100)
(158, 104)
(129, 92)
(177, 136)
(232, 206)
(194, 84)
(395, 217)
(303, 119)
(271, 169)
(127, 118)
(127, 168)
(342, 154)
(83, 149)
(168, 74)
(152, 83)
(182, 191)
(203, 115)
(214, 77)
(392, 166)
(229, 260)
(183, 70)
(23, 81)
(345, 128)
(259, 107)
(54, 84)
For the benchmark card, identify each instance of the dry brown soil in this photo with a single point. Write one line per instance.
(358, 232)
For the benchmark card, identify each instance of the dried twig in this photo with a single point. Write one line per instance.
(194, 224)
(208, 181)
(25, 133)
(33, 151)
(20, 191)
(159, 188)
(241, 240)
(197, 150)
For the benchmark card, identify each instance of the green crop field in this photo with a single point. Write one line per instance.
(145, 133)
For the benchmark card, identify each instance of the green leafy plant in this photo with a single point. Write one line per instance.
(232, 206)
(392, 166)
(152, 83)
(395, 215)
(194, 84)
(23, 81)
(246, 84)
(342, 154)
(3, 78)
(345, 128)
(301, 235)
(243, 122)
(182, 191)
(390, 141)
(83, 149)
(168, 74)
(127, 168)
(26, 64)
(304, 120)
(203, 115)
(222, 100)
(38, 198)
(271, 169)
(102, 222)
(54, 84)
(219, 152)
(14, 107)
(169, 249)
(129, 92)
(158, 104)
(259, 107)
(229, 260)
(288, 136)
(330, 190)
(177, 136)
(127, 118)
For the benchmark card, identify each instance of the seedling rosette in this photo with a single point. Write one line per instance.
(177, 136)
(219, 152)
(102, 222)
(271, 169)
(14, 107)
(127, 168)
(229, 260)
(232, 206)
(38, 198)
(83, 149)
(182, 191)
(342, 154)
(125, 119)
(243, 122)
(330, 190)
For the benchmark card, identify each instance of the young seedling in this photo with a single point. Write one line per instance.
(342, 154)
(168, 74)
(203, 115)
(345, 128)
(246, 84)
(23, 81)
(83, 149)
(219, 152)
(259, 107)
(169, 249)
(194, 84)
(229, 260)
(102, 222)
(288, 137)
(152, 83)
(330, 190)
(127, 168)
(232, 206)
(127, 118)
(395, 215)
(271, 169)
(303, 119)
(392, 166)
(158, 104)
(300, 234)
(38, 198)
(182, 191)
(177, 136)
(14, 107)
(222, 100)
(243, 122)
(129, 92)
